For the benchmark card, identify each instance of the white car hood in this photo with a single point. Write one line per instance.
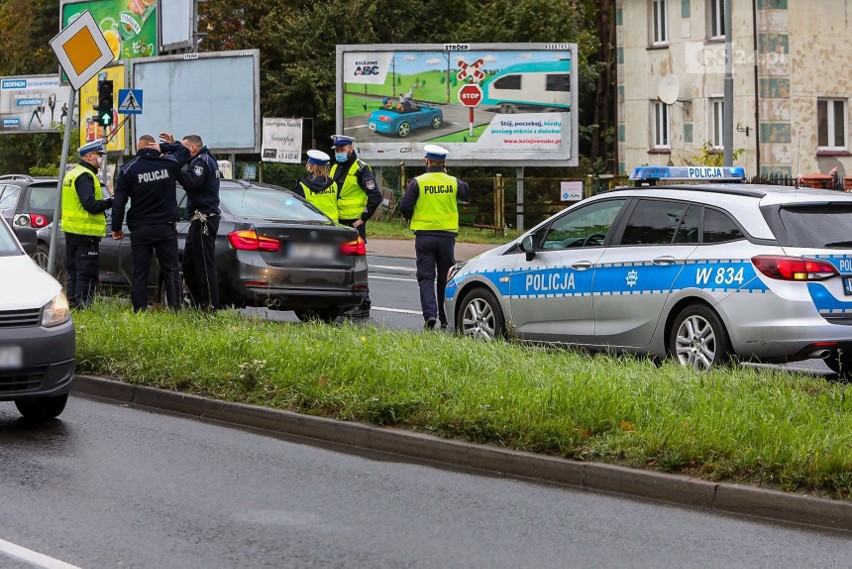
(24, 285)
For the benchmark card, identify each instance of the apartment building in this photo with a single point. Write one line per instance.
(791, 77)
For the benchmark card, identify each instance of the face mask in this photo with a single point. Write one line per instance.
(341, 157)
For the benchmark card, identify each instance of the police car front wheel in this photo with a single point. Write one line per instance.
(480, 316)
(698, 338)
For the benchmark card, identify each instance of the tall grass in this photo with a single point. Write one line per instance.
(741, 424)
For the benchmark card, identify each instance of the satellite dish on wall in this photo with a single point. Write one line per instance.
(669, 89)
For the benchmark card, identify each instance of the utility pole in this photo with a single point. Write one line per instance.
(728, 109)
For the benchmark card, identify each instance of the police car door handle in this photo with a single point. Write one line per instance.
(667, 260)
(582, 265)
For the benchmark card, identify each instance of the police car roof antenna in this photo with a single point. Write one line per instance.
(798, 153)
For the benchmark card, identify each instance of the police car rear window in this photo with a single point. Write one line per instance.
(818, 226)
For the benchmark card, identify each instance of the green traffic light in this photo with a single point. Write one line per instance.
(106, 119)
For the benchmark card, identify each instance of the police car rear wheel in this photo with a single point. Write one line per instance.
(840, 362)
(698, 338)
(480, 316)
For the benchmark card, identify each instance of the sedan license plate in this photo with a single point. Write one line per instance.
(311, 251)
(847, 285)
(11, 357)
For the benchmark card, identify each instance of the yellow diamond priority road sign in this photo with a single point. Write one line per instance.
(81, 49)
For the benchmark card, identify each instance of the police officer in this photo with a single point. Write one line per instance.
(84, 223)
(318, 187)
(430, 204)
(358, 199)
(200, 180)
(149, 180)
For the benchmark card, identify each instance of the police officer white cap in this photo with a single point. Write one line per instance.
(436, 152)
(341, 140)
(96, 146)
(318, 157)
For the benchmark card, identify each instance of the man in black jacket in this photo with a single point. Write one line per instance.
(200, 180)
(149, 180)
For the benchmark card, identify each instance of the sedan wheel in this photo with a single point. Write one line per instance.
(698, 339)
(480, 316)
(40, 408)
(403, 130)
(324, 315)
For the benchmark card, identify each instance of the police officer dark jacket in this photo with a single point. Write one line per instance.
(200, 180)
(149, 181)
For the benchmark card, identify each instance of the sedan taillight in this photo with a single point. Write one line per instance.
(357, 247)
(249, 240)
(793, 268)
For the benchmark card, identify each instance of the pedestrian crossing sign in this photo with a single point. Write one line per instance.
(130, 101)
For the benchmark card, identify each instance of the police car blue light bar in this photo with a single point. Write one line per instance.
(688, 174)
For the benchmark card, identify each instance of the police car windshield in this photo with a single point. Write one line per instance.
(8, 247)
(818, 226)
(267, 204)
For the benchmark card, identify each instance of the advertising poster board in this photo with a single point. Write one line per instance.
(89, 129)
(129, 26)
(488, 104)
(32, 103)
(282, 140)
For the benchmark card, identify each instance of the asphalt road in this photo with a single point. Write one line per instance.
(115, 486)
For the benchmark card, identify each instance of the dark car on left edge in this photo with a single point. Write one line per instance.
(273, 250)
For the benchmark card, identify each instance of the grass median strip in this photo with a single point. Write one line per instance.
(741, 424)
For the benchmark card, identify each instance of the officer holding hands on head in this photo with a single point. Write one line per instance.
(84, 223)
(200, 181)
(430, 204)
(358, 199)
(318, 187)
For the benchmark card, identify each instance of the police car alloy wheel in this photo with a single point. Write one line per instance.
(480, 316)
(698, 339)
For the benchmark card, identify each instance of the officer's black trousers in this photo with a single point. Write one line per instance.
(81, 266)
(433, 253)
(199, 263)
(145, 240)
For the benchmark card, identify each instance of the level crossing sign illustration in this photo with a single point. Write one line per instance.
(130, 101)
(471, 70)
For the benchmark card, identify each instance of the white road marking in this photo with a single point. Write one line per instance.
(400, 310)
(33, 557)
(391, 268)
(377, 277)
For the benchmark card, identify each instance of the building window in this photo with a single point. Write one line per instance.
(831, 124)
(716, 122)
(660, 128)
(717, 19)
(659, 23)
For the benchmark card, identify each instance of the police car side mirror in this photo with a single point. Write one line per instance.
(528, 246)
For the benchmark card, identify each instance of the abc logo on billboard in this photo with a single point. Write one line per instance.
(367, 70)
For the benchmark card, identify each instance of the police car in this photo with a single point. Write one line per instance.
(701, 272)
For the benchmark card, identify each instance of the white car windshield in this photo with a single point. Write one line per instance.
(8, 246)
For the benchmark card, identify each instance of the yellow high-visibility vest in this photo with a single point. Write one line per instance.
(436, 208)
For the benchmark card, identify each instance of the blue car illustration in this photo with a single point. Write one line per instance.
(401, 120)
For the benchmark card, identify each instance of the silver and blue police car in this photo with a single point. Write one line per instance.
(701, 272)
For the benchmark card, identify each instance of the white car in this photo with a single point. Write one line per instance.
(700, 272)
(37, 347)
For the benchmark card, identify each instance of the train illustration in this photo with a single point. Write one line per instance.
(530, 87)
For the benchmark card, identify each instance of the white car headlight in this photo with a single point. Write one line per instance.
(56, 312)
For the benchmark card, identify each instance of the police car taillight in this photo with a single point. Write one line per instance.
(249, 240)
(793, 268)
(357, 247)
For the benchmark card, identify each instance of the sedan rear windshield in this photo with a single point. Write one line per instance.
(268, 204)
(818, 226)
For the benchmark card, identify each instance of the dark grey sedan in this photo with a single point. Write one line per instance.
(273, 249)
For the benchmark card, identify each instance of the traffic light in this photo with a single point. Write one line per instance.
(104, 117)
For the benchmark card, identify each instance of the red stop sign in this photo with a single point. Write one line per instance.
(470, 95)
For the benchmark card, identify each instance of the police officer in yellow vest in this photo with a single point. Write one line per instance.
(430, 204)
(359, 197)
(84, 223)
(319, 188)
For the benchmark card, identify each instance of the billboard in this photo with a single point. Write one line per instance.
(184, 95)
(89, 129)
(176, 22)
(488, 104)
(282, 140)
(32, 103)
(129, 26)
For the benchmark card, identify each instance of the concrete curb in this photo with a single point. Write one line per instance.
(720, 497)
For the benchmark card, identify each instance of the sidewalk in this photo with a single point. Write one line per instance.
(405, 248)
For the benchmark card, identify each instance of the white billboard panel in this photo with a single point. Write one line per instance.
(214, 95)
(282, 140)
(176, 17)
(32, 103)
(488, 104)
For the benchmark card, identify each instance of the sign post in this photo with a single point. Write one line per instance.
(82, 51)
(470, 96)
